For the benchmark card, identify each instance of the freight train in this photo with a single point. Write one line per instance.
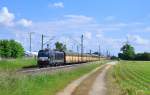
(54, 58)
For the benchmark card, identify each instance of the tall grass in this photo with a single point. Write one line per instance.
(42, 84)
(133, 77)
(13, 64)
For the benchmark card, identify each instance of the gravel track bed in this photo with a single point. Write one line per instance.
(51, 69)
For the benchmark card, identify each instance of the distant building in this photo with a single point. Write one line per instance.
(31, 54)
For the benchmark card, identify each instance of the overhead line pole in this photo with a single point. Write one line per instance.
(30, 34)
(90, 51)
(77, 49)
(42, 45)
(107, 53)
(30, 41)
(81, 48)
(78, 52)
(42, 42)
(99, 52)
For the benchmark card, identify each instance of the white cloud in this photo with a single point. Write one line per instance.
(56, 5)
(73, 26)
(138, 40)
(88, 35)
(147, 29)
(99, 35)
(110, 18)
(25, 22)
(77, 22)
(68, 23)
(6, 18)
(79, 17)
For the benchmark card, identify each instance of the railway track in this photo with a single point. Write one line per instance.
(53, 69)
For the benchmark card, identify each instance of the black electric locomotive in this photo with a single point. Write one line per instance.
(50, 57)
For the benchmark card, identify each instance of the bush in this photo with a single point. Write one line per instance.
(11, 48)
(143, 56)
(114, 58)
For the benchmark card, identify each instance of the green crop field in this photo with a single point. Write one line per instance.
(130, 77)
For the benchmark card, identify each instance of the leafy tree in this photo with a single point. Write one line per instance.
(143, 56)
(16, 49)
(11, 48)
(60, 46)
(127, 52)
(5, 50)
(97, 53)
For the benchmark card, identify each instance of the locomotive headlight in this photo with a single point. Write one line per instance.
(43, 58)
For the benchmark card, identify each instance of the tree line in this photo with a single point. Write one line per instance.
(128, 53)
(11, 49)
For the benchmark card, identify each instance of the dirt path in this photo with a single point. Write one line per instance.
(90, 84)
(99, 87)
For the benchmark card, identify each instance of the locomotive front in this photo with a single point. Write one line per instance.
(43, 58)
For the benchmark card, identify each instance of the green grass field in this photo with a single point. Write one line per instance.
(14, 64)
(131, 77)
(42, 84)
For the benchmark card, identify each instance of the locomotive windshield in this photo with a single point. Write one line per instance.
(43, 54)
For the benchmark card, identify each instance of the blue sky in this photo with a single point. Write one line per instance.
(105, 22)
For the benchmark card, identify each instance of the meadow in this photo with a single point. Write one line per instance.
(12, 83)
(15, 64)
(129, 78)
